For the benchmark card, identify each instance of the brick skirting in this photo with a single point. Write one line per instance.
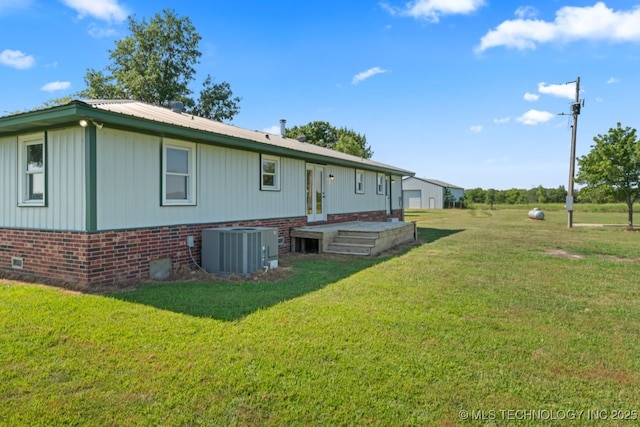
(121, 256)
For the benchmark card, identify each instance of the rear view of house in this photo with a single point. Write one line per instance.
(95, 192)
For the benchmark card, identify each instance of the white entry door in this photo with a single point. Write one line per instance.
(315, 193)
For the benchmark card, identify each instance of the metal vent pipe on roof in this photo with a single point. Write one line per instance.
(176, 106)
(283, 127)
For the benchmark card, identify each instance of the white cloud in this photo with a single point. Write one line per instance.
(16, 59)
(524, 12)
(531, 96)
(502, 120)
(431, 10)
(105, 10)
(613, 80)
(366, 74)
(476, 128)
(55, 86)
(561, 91)
(99, 32)
(597, 22)
(8, 5)
(534, 117)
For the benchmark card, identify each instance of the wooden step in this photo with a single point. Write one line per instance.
(358, 240)
(350, 248)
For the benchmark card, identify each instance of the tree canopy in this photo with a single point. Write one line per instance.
(156, 64)
(340, 139)
(612, 167)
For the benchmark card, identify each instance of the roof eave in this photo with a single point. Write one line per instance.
(71, 113)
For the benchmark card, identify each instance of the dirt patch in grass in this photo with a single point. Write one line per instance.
(563, 254)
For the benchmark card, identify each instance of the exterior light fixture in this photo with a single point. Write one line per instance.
(84, 123)
(331, 177)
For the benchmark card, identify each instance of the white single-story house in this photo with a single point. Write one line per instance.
(93, 192)
(422, 193)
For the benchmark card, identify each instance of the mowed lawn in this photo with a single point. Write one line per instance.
(491, 312)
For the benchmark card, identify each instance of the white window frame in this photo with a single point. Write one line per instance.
(380, 183)
(359, 180)
(190, 148)
(24, 141)
(276, 174)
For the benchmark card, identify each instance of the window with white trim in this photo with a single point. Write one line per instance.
(178, 173)
(269, 173)
(380, 184)
(32, 159)
(359, 181)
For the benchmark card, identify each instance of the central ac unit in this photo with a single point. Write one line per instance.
(239, 250)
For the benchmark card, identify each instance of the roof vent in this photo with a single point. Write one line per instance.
(176, 106)
(283, 127)
(302, 138)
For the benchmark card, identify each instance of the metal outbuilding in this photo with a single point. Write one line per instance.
(423, 193)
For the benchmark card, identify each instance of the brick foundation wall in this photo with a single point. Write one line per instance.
(60, 256)
(120, 256)
(374, 216)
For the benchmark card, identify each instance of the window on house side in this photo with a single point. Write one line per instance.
(179, 186)
(380, 182)
(359, 181)
(270, 173)
(32, 157)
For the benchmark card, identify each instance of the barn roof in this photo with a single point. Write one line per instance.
(438, 183)
(142, 117)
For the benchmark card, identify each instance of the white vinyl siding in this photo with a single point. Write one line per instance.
(228, 187)
(65, 208)
(396, 192)
(340, 198)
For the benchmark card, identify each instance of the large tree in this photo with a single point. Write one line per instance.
(156, 64)
(612, 167)
(340, 139)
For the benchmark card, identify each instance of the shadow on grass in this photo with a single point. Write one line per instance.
(232, 300)
(430, 235)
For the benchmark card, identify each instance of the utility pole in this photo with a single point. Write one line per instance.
(575, 111)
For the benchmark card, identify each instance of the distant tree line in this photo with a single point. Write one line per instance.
(515, 196)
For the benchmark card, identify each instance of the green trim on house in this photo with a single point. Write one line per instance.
(70, 114)
(90, 161)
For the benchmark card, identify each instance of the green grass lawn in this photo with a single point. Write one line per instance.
(491, 312)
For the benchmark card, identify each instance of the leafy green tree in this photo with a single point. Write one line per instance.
(490, 197)
(351, 142)
(448, 198)
(325, 135)
(475, 195)
(156, 64)
(541, 194)
(216, 101)
(612, 167)
(58, 101)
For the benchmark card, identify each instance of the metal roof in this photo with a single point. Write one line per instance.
(139, 116)
(437, 182)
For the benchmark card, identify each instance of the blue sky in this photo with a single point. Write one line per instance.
(464, 91)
